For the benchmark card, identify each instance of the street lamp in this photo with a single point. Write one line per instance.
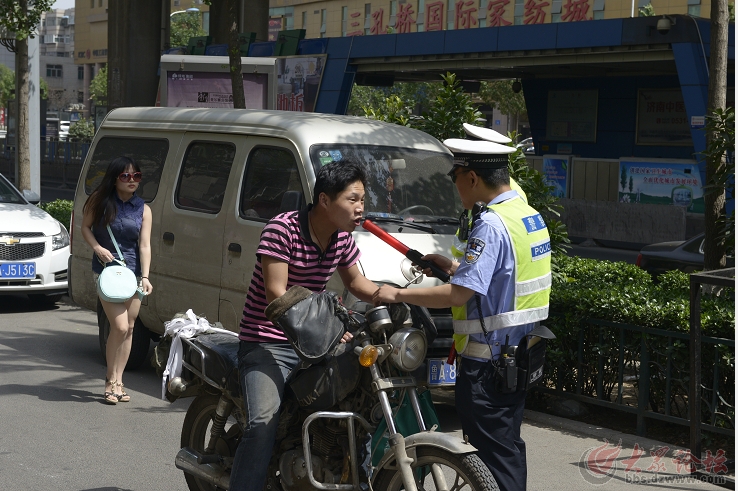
(189, 10)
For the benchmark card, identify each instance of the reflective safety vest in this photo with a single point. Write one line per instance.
(459, 246)
(531, 247)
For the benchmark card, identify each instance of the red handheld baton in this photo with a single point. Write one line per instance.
(411, 254)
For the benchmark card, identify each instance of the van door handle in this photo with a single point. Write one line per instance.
(233, 247)
(168, 237)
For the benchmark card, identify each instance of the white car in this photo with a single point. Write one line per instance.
(64, 130)
(34, 248)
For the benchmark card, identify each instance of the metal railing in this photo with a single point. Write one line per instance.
(61, 162)
(647, 372)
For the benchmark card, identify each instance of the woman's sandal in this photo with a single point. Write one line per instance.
(122, 397)
(109, 396)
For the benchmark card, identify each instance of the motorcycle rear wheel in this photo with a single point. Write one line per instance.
(196, 434)
(462, 472)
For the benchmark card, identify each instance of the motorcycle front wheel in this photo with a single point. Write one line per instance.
(196, 434)
(460, 472)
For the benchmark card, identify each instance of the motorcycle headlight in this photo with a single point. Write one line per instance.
(408, 348)
(61, 239)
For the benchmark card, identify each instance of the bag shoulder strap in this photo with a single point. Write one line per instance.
(112, 237)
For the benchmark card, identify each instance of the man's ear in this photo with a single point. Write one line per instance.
(323, 200)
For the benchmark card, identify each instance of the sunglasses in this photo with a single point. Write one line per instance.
(127, 176)
(455, 175)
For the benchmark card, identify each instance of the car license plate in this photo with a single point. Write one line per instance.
(18, 270)
(440, 372)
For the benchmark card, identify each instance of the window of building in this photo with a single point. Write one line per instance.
(54, 71)
(99, 3)
(367, 18)
(304, 19)
(420, 18)
(204, 176)
(694, 10)
(271, 185)
(80, 73)
(92, 4)
(519, 14)
(344, 20)
(80, 97)
(323, 21)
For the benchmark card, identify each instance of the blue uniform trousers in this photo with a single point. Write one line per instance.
(492, 421)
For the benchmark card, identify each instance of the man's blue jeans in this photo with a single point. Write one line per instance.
(263, 368)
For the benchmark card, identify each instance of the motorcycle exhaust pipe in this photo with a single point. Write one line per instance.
(187, 461)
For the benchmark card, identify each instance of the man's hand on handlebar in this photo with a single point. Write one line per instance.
(446, 264)
(347, 336)
(385, 294)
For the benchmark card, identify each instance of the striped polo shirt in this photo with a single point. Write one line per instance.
(287, 238)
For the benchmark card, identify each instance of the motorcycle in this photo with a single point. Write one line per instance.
(355, 420)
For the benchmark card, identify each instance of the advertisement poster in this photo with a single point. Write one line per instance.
(298, 81)
(556, 169)
(213, 89)
(662, 118)
(661, 183)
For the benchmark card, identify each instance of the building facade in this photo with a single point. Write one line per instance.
(57, 67)
(340, 18)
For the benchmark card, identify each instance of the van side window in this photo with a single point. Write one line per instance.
(271, 185)
(148, 153)
(204, 175)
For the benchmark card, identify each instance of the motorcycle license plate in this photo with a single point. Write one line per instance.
(440, 372)
(18, 270)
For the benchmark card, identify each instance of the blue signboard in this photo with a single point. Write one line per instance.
(665, 182)
(556, 169)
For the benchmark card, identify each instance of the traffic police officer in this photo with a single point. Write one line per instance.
(499, 291)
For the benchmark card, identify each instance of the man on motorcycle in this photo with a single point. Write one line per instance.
(499, 291)
(297, 248)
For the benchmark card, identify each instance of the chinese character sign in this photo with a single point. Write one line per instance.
(405, 18)
(465, 14)
(575, 10)
(377, 25)
(556, 169)
(533, 12)
(496, 12)
(298, 81)
(662, 118)
(355, 25)
(434, 16)
(661, 182)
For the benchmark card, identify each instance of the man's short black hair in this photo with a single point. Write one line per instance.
(333, 178)
(494, 178)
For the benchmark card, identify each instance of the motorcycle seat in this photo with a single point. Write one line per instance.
(221, 360)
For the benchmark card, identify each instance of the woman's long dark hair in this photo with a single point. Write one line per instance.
(101, 202)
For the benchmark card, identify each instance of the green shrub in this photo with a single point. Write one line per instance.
(61, 209)
(588, 290)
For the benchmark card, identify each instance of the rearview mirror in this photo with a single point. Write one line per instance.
(31, 196)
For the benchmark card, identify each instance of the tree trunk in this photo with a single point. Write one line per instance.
(716, 95)
(23, 139)
(234, 55)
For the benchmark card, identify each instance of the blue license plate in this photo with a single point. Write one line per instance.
(440, 372)
(18, 270)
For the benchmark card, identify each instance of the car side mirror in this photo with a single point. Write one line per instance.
(31, 196)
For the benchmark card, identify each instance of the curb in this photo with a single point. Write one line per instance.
(599, 432)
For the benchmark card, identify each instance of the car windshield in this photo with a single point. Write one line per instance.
(403, 183)
(8, 193)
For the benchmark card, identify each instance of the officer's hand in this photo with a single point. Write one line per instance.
(446, 264)
(347, 336)
(385, 294)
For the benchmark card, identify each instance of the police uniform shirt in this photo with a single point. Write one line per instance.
(487, 268)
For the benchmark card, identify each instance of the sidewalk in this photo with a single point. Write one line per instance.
(567, 455)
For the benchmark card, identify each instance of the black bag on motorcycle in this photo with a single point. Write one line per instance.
(310, 321)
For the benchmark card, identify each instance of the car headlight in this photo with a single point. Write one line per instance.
(61, 239)
(408, 348)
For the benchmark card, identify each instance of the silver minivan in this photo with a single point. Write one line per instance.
(214, 177)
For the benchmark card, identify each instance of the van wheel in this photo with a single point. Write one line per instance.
(139, 345)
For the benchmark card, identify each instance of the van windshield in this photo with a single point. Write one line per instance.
(403, 184)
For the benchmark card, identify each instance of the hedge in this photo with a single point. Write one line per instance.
(61, 209)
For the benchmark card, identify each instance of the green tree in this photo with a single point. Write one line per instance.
(18, 18)
(646, 11)
(413, 94)
(184, 26)
(7, 84)
(99, 87)
(623, 178)
(82, 131)
(449, 110)
(500, 95)
(630, 184)
(721, 123)
(393, 110)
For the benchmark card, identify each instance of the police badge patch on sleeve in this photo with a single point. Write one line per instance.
(474, 248)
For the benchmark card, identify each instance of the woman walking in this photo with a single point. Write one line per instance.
(115, 203)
